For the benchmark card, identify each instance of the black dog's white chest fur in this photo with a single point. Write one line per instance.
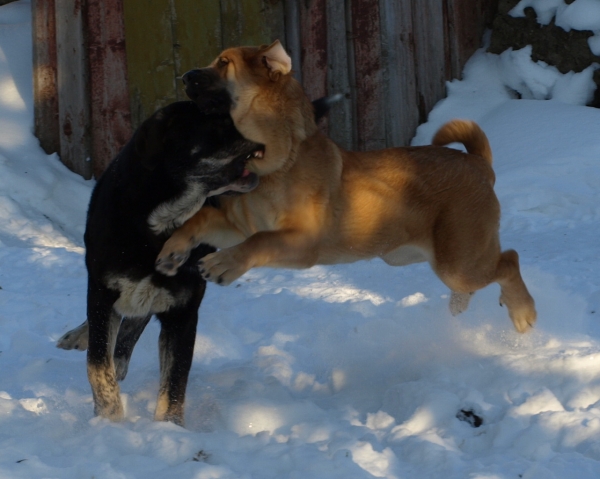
(170, 215)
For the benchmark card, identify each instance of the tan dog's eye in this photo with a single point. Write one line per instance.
(222, 62)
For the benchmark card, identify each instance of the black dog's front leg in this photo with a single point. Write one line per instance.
(176, 350)
(103, 327)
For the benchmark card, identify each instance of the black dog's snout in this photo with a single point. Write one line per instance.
(192, 77)
(205, 87)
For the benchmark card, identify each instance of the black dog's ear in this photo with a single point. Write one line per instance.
(149, 139)
(323, 105)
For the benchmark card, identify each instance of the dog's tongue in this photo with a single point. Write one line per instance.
(245, 173)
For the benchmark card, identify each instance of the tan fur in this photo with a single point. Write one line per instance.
(319, 204)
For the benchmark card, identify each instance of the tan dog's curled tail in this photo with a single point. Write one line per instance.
(469, 134)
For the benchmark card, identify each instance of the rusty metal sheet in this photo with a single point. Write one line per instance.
(466, 22)
(313, 55)
(370, 106)
(339, 68)
(109, 95)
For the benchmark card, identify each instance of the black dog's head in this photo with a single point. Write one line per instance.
(190, 144)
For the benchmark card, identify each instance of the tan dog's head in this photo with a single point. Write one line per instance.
(269, 105)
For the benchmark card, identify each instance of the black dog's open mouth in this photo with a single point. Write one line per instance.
(245, 182)
(248, 181)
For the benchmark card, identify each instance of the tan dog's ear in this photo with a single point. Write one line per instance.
(277, 58)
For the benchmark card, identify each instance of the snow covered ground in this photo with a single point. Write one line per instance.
(352, 371)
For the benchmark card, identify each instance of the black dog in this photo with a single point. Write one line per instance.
(183, 154)
(175, 160)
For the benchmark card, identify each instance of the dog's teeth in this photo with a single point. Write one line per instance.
(257, 154)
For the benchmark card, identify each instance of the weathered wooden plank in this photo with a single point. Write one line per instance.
(73, 109)
(151, 66)
(109, 94)
(272, 15)
(341, 128)
(313, 56)
(368, 70)
(399, 82)
(45, 88)
(429, 36)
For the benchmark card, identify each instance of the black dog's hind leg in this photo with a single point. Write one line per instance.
(129, 332)
(103, 323)
(176, 350)
(76, 338)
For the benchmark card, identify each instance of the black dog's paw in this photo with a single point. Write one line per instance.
(171, 263)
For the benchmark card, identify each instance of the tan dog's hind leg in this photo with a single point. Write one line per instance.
(504, 271)
(520, 304)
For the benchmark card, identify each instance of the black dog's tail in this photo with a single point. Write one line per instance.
(323, 105)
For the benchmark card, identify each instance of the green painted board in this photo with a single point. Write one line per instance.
(166, 38)
(150, 64)
(198, 27)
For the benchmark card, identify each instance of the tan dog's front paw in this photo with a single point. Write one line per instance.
(168, 264)
(171, 257)
(222, 267)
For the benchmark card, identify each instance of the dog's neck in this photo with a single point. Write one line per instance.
(273, 126)
(170, 215)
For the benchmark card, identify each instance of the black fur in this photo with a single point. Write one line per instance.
(166, 158)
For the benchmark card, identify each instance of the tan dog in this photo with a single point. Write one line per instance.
(319, 204)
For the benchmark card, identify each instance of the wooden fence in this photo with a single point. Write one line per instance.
(102, 66)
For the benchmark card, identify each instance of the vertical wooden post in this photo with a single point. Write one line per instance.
(45, 88)
(399, 82)
(73, 107)
(430, 55)
(109, 94)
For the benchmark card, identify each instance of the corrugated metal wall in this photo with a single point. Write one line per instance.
(112, 63)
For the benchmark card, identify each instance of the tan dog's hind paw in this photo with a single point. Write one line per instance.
(459, 302)
(523, 319)
(523, 316)
(222, 267)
